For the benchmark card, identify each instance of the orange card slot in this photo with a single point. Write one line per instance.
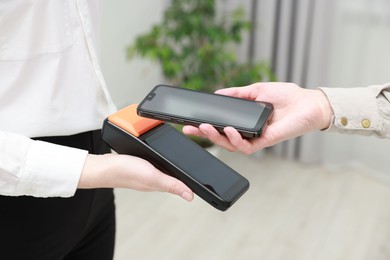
(128, 120)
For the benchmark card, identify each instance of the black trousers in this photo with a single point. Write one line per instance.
(80, 227)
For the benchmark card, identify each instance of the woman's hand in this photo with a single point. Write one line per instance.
(125, 171)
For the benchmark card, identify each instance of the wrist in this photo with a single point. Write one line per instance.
(93, 171)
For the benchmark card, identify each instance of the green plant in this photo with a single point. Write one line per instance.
(195, 47)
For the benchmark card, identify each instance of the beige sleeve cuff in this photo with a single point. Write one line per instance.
(356, 110)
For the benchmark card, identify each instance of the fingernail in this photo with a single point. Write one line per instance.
(187, 196)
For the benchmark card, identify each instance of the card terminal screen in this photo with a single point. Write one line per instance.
(194, 160)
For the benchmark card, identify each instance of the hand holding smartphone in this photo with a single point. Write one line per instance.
(184, 106)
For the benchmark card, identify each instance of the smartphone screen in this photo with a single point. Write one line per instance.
(201, 107)
(203, 167)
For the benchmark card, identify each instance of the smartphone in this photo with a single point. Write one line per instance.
(185, 106)
(175, 154)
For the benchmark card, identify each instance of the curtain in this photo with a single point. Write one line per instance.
(294, 37)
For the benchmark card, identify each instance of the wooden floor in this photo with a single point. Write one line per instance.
(291, 212)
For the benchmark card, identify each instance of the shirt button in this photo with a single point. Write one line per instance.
(366, 123)
(344, 121)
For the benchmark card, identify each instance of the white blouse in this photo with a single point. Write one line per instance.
(50, 84)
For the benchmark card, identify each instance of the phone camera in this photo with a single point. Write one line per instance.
(150, 96)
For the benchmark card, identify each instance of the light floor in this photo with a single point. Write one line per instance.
(291, 212)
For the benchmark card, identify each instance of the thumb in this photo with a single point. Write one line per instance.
(239, 92)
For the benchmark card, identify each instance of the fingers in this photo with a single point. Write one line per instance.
(149, 178)
(192, 130)
(237, 141)
(231, 141)
(214, 136)
(174, 186)
(209, 132)
(248, 92)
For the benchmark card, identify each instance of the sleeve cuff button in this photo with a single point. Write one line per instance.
(366, 123)
(344, 121)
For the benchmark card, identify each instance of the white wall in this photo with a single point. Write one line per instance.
(123, 20)
(359, 57)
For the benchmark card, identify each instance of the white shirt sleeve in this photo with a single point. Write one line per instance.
(37, 168)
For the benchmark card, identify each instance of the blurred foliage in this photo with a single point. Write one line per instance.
(196, 47)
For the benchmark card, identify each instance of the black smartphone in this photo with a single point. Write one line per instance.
(175, 154)
(185, 106)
